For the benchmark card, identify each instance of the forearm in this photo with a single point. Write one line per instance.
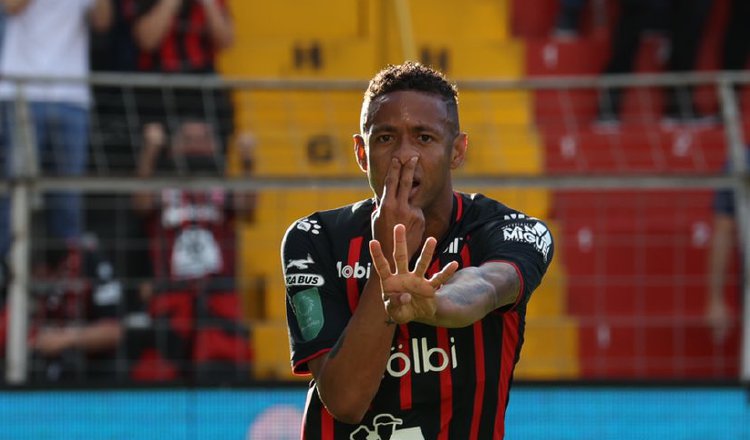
(150, 30)
(100, 336)
(349, 376)
(473, 292)
(143, 201)
(101, 15)
(219, 24)
(13, 7)
(719, 255)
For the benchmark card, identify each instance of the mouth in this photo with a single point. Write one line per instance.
(414, 187)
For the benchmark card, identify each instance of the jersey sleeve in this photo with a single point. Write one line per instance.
(524, 242)
(316, 306)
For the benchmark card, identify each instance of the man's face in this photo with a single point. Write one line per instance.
(407, 124)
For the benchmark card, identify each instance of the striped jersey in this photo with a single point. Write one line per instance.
(439, 383)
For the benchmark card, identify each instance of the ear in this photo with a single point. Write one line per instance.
(360, 152)
(458, 152)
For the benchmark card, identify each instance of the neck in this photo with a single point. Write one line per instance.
(438, 217)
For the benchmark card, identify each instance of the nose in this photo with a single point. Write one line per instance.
(406, 150)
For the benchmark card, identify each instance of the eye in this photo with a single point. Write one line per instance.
(384, 138)
(425, 138)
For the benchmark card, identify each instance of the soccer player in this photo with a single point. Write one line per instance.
(408, 308)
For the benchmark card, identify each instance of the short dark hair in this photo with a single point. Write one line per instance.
(415, 77)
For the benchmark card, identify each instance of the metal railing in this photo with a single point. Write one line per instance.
(31, 179)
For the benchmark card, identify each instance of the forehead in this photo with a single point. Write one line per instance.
(407, 108)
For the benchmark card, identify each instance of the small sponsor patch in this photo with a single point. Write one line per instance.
(309, 311)
(536, 234)
(308, 225)
(304, 279)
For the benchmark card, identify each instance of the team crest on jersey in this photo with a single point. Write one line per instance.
(384, 427)
(308, 308)
(308, 225)
(535, 234)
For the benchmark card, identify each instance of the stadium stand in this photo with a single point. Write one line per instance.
(635, 260)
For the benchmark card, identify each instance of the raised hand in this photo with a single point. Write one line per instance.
(394, 208)
(408, 295)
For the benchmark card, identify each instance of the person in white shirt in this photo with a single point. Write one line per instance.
(49, 39)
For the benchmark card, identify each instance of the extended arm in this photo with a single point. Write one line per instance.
(348, 377)
(473, 292)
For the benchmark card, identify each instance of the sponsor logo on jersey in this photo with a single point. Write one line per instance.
(308, 225)
(301, 264)
(304, 279)
(535, 234)
(308, 308)
(421, 358)
(357, 271)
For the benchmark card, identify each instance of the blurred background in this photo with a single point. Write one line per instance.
(155, 151)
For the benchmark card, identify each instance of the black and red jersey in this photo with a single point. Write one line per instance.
(439, 383)
(192, 236)
(187, 46)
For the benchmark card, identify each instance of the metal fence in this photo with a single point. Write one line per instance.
(630, 205)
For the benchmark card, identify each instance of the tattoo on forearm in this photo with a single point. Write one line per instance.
(467, 296)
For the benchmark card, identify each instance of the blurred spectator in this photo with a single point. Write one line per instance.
(75, 327)
(114, 117)
(719, 313)
(49, 38)
(115, 134)
(193, 301)
(183, 37)
(684, 21)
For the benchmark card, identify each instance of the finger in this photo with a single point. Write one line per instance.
(390, 186)
(400, 253)
(378, 259)
(425, 258)
(406, 180)
(444, 275)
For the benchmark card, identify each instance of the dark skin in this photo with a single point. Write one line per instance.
(408, 148)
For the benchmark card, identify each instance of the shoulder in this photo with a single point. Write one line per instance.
(333, 223)
(480, 209)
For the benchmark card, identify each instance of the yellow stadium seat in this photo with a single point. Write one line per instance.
(271, 343)
(550, 349)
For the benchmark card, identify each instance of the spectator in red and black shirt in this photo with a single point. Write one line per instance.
(192, 246)
(77, 305)
(426, 354)
(183, 37)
